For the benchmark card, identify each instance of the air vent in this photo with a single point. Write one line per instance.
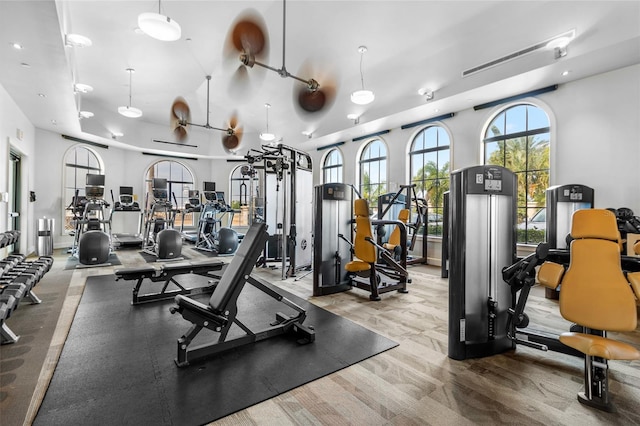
(566, 37)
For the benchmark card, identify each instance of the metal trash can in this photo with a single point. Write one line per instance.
(45, 237)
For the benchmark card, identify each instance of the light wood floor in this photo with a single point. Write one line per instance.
(415, 383)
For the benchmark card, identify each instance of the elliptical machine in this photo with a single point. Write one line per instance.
(212, 236)
(92, 240)
(160, 239)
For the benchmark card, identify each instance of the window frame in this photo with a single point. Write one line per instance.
(527, 211)
(435, 228)
(330, 169)
(384, 185)
(67, 215)
(181, 198)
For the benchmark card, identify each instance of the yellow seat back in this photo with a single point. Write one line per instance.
(594, 291)
(363, 249)
(394, 238)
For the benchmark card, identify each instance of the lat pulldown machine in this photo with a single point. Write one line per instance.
(287, 198)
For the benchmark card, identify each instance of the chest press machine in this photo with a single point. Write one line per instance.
(220, 313)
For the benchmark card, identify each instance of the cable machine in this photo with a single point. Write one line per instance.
(284, 201)
(482, 212)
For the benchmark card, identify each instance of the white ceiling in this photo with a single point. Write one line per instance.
(411, 44)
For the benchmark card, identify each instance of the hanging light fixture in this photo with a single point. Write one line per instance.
(159, 26)
(362, 96)
(266, 136)
(129, 111)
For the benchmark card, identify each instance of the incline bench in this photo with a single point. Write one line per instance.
(166, 274)
(219, 315)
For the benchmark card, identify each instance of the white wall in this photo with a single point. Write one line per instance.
(595, 141)
(17, 133)
(122, 168)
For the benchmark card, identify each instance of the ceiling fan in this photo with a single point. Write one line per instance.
(248, 38)
(181, 120)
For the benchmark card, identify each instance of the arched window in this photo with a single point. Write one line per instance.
(179, 182)
(373, 172)
(243, 179)
(79, 161)
(430, 169)
(332, 167)
(518, 138)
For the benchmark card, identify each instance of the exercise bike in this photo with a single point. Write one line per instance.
(92, 234)
(212, 236)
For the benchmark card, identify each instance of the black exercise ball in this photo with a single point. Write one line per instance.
(227, 241)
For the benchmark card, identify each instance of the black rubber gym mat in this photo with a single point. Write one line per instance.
(73, 262)
(117, 364)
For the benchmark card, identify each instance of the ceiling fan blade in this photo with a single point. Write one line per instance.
(248, 34)
(230, 143)
(320, 91)
(232, 138)
(246, 41)
(180, 118)
(180, 133)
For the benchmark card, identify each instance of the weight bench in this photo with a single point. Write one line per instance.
(166, 274)
(220, 314)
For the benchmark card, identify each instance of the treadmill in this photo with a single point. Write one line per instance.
(126, 220)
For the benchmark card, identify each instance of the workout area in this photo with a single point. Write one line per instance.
(298, 212)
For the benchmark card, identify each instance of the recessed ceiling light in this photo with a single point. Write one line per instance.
(25, 65)
(77, 40)
(86, 114)
(17, 46)
(42, 95)
(436, 110)
(82, 88)
(565, 73)
(116, 135)
(54, 122)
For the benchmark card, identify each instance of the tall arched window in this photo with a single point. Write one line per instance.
(373, 172)
(430, 170)
(79, 161)
(332, 167)
(244, 190)
(518, 138)
(179, 182)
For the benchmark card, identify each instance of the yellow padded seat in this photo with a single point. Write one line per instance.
(596, 295)
(550, 274)
(357, 266)
(595, 292)
(394, 238)
(600, 346)
(634, 280)
(364, 251)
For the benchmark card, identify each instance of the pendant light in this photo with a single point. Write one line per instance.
(129, 111)
(362, 96)
(266, 136)
(159, 26)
